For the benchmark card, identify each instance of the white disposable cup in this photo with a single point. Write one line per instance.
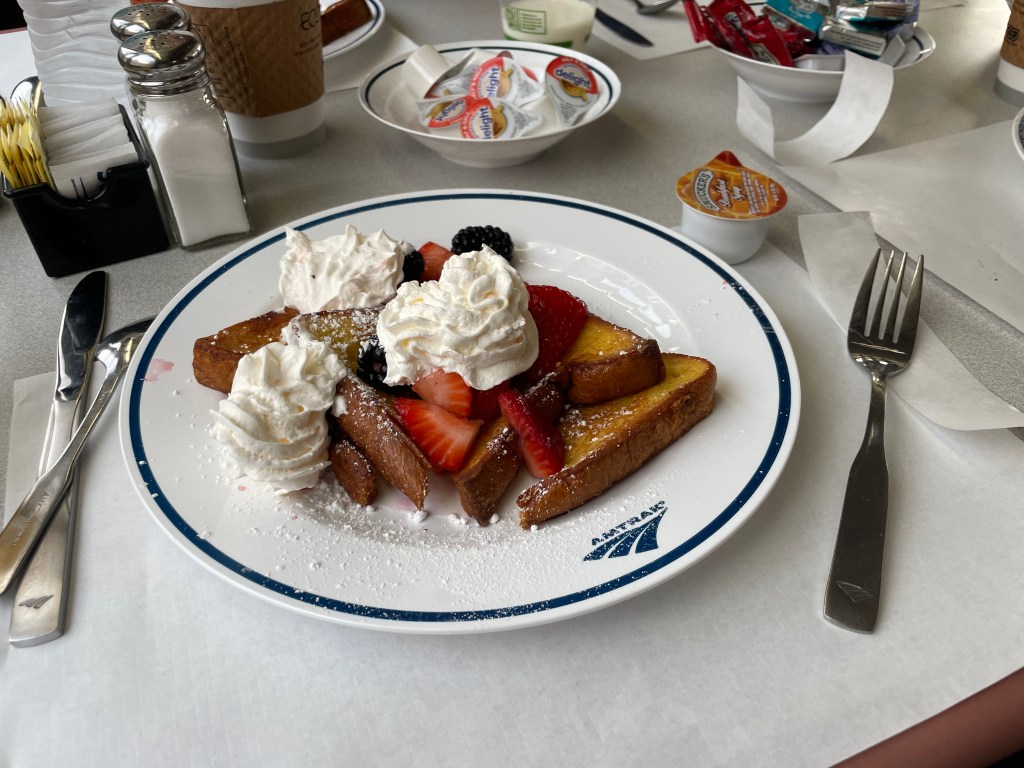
(555, 22)
(732, 240)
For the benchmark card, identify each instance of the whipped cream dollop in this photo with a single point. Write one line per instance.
(472, 321)
(348, 271)
(272, 424)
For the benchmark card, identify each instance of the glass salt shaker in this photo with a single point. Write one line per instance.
(148, 17)
(186, 136)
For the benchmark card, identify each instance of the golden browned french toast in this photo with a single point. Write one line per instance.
(609, 441)
(353, 470)
(607, 361)
(372, 424)
(343, 330)
(214, 358)
(495, 459)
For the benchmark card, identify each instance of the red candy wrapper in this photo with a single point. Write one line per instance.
(766, 43)
(726, 17)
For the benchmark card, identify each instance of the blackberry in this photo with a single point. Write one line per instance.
(473, 238)
(373, 368)
(412, 267)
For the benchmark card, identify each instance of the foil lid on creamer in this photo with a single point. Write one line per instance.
(725, 188)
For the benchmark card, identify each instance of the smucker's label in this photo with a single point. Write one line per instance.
(724, 187)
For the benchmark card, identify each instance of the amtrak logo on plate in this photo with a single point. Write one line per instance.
(635, 535)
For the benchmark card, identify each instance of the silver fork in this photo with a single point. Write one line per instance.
(854, 581)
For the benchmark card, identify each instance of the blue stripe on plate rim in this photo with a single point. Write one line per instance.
(373, 612)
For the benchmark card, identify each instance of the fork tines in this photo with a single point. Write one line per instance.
(908, 328)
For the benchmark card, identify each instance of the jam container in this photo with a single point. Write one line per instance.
(727, 207)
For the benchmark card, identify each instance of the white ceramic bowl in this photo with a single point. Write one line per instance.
(809, 86)
(385, 97)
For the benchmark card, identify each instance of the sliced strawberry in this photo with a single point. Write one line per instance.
(539, 440)
(485, 402)
(444, 438)
(448, 390)
(434, 257)
(559, 317)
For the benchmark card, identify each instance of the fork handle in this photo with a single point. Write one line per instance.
(855, 579)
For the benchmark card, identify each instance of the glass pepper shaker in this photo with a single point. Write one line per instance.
(186, 136)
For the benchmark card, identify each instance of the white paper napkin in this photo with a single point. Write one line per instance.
(347, 70)
(668, 30)
(850, 121)
(837, 248)
(32, 398)
(958, 200)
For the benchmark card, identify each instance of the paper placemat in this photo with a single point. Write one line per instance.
(668, 30)
(837, 249)
(348, 70)
(974, 178)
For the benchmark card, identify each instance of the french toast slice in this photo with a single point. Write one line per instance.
(607, 361)
(495, 459)
(343, 330)
(606, 442)
(353, 470)
(372, 424)
(215, 358)
(342, 17)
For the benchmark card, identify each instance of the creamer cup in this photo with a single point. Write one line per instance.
(424, 67)
(727, 207)
(444, 115)
(487, 119)
(572, 87)
(501, 77)
(455, 82)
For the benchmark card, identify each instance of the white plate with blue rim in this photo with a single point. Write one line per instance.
(352, 40)
(391, 568)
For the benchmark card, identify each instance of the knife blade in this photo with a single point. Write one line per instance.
(622, 30)
(40, 605)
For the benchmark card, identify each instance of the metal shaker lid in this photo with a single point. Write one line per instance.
(147, 17)
(164, 61)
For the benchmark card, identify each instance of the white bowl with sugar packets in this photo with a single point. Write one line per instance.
(388, 96)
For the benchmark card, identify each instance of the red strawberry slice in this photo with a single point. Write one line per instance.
(539, 440)
(485, 402)
(434, 257)
(559, 317)
(447, 390)
(444, 438)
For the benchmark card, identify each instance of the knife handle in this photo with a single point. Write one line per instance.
(29, 521)
(40, 605)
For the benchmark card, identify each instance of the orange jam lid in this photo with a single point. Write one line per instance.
(724, 187)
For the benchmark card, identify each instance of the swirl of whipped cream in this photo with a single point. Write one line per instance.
(272, 425)
(349, 271)
(473, 321)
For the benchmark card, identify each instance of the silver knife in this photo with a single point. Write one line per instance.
(622, 30)
(41, 602)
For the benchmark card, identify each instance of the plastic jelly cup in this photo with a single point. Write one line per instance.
(728, 208)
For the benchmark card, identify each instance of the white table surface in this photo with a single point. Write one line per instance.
(730, 663)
